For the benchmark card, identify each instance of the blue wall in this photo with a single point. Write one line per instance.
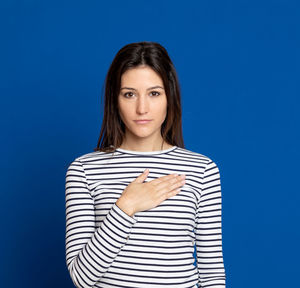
(238, 65)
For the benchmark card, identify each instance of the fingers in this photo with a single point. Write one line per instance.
(172, 193)
(162, 184)
(168, 195)
(147, 195)
(163, 178)
(141, 178)
(171, 184)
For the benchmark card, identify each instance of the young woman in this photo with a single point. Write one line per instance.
(141, 207)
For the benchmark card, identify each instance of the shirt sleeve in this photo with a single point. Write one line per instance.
(209, 230)
(90, 250)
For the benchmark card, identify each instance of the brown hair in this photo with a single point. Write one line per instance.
(132, 55)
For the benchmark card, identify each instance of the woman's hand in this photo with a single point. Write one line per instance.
(139, 196)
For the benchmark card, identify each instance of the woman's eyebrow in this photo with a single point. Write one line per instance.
(154, 87)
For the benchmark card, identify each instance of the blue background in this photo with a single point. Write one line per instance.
(238, 66)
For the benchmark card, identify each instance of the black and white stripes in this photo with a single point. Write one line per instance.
(107, 248)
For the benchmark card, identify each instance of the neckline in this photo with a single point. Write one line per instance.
(146, 152)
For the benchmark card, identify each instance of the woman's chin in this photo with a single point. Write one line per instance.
(142, 133)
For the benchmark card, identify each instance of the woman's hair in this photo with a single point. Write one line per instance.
(130, 56)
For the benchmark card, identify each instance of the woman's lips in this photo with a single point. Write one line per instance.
(142, 121)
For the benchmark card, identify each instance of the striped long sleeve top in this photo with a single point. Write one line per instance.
(107, 248)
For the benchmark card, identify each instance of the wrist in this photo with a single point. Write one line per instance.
(124, 207)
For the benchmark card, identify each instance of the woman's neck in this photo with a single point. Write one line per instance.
(161, 145)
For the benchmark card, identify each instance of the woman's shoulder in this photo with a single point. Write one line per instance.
(89, 157)
(93, 156)
(194, 155)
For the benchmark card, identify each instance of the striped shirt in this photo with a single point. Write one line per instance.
(107, 248)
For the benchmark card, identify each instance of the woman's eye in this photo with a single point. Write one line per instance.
(157, 93)
(127, 94)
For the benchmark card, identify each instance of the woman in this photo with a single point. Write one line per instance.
(139, 204)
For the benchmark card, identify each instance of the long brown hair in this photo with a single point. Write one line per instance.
(132, 55)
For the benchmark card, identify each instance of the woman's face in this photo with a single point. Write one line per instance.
(142, 97)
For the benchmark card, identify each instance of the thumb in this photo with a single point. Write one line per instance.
(142, 177)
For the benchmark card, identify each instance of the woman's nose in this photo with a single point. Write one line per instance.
(142, 105)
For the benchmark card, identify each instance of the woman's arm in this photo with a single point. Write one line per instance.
(90, 250)
(209, 230)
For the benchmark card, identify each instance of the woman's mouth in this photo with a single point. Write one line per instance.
(143, 121)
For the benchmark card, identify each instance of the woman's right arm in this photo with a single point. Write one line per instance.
(90, 250)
